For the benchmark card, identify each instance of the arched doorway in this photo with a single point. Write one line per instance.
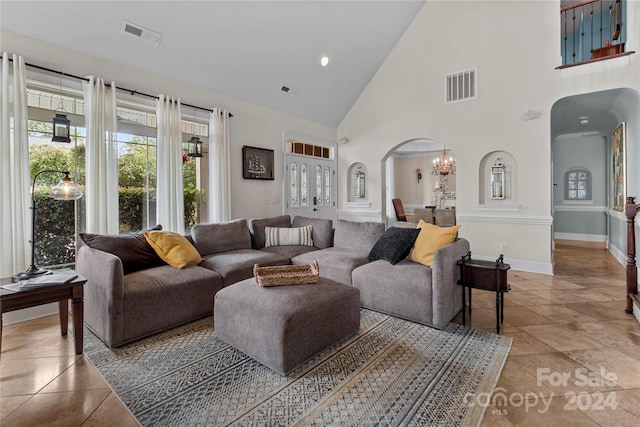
(407, 174)
(582, 127)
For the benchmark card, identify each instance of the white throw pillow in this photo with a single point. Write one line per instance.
(281, 236)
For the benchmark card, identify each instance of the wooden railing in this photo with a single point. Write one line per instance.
(592, 30)
(630, 211)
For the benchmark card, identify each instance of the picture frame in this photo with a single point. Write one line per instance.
(257, 163)
(619, 168)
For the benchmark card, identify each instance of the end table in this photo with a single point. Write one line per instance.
(15, 300)
(485, 275)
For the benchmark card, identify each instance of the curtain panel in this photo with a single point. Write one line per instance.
(170, 195)
(219, 203)
(15, 214)
(101, 190)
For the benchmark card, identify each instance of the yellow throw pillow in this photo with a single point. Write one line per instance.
(173, 248)
(430, 239)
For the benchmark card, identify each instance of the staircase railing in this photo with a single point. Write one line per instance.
(630, 211)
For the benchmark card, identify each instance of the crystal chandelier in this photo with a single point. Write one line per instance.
(444, 165)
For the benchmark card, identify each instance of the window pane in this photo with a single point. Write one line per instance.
(137, 182)
(304, 190)
(319, 184)
(293, 191)
(327, 186)
(56, 220)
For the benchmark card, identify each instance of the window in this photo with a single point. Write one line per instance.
(578, 185)
(56, 221)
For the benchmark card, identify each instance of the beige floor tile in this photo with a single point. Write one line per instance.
(609, 310)
(515, 383)
(622, 368)
(561, 337)
(30, 375)
(561, 314)
(38, 346)
(111, 409)
(523, 343)
(607, 333)
(616, 408)
(47, 324)
(540, 411)
(80, 376)
(10, 403)
(523, 316)
(526, 298)
(630, 350)
(562, 374)
(61, 409)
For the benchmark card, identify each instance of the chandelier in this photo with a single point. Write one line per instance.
(444, 164)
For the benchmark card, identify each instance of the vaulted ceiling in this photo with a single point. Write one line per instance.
(245, 49)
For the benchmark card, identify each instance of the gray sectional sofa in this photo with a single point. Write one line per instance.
(126, 299)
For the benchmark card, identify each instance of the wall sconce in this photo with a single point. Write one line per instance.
(65, 190)
(419, 175)
(195, 147)
(358, 184)
(497, 179)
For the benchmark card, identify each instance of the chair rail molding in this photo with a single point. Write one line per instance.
(506, 219)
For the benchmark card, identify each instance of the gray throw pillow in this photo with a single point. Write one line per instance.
(394, 245)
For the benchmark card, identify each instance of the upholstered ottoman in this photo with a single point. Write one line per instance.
(284, 326)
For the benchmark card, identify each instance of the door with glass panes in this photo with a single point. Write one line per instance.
(310, 188)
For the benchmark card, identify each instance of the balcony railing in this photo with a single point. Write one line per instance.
(592, 30)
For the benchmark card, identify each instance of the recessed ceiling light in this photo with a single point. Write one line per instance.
(324, 61)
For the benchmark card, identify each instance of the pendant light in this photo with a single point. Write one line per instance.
(61, 125)
(195, 145)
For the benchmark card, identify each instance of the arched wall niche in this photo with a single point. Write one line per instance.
(357, 183)
(510, 184)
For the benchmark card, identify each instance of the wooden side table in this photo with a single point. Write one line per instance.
(485, 275)
(16, 300)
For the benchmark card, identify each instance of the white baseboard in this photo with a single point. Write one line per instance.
(580, 237)
(618, 254)
(29, 313)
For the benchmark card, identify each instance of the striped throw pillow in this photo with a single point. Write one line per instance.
(281, 236)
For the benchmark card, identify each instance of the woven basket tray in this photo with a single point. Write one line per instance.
(281, 275)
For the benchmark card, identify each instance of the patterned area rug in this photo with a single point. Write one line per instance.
(392, 372)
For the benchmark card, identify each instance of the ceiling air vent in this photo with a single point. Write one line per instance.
(141, 32)
(461, 86)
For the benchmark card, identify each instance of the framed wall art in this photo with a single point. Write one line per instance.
(619, 168)
(257, 163)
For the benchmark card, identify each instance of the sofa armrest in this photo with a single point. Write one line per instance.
(103, 293)
(447, 294)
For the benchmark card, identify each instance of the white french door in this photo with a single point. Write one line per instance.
(310, 188)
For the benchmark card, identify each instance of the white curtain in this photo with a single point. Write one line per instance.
(170, 196)
(219, 203)
(15, 215)
(101, 190)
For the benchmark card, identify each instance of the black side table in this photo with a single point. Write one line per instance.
(485, 275)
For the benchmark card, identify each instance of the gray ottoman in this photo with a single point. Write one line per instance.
(284, 326)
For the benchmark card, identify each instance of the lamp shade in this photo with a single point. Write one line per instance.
(66, 190)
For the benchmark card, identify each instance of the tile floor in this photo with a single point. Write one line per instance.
(575, 357)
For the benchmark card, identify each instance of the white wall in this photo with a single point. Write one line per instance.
(515, 47)
(251, 125)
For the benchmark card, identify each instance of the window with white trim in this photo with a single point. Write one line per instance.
(578, 184)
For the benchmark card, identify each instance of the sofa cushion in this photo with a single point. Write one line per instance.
(133, 249)
(297, 236)
(290, 251)
(257, 226)
(321, 230)
(237, 265)
(357, 236)
(403, 290)
(430, 239)
(173, 248)
(394, 245)
(335, 263)
(221, 237)
(160, 298)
